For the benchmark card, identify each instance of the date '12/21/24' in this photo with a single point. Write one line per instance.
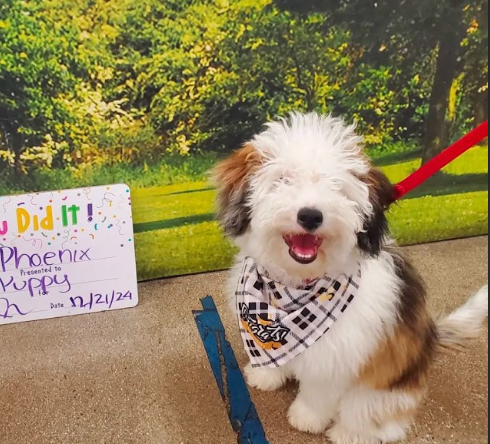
(106, 299)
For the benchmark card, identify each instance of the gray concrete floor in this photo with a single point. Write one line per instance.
(141, 375)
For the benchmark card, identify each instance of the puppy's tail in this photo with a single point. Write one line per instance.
(464, 323)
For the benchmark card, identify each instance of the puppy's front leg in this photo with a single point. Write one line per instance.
(316, 405)
(265, 379)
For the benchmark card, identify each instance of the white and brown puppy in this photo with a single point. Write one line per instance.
(303, 202)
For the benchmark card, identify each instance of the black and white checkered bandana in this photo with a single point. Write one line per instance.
(277, 322)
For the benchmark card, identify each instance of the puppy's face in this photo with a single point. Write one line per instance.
(302, 197)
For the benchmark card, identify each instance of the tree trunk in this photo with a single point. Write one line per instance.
(14, 142)
(17, 146)
(437, 132)
(481, 107)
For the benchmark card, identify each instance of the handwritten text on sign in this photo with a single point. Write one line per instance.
(65, 253)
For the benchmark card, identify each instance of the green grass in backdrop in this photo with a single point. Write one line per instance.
(176, 233)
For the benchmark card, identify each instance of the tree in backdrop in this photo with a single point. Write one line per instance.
(90, 84)
(475, 60)
(209, 76)
(53, 71)
(182, 68)
(415, 30)
(37, 68)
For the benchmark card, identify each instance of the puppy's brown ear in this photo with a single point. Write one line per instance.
(375, 230)
(232, 178)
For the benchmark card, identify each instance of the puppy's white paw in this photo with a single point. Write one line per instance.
(340, 435)
(305, 419)
(264, 379)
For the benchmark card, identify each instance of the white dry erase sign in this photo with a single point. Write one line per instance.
(65, 253)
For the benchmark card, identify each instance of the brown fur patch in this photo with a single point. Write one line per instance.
(231, 177)
(375, 229)
(403, 360)
(381, 190)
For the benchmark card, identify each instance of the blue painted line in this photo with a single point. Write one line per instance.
(241, 410)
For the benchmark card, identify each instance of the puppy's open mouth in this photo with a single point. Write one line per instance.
(303, 248)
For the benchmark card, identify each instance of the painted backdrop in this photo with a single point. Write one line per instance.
(152, 92)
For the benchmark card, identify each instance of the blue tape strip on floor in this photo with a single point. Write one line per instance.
(241, 410)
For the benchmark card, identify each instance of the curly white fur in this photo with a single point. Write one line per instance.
(317, 161)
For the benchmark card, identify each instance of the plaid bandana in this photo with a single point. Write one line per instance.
(277, 322)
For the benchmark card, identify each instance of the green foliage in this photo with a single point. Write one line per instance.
(173, 169)
(95, 90)
(435, 50)
(53, 75)
(37, 69)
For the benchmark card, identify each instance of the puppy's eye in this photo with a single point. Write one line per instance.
(284, 180)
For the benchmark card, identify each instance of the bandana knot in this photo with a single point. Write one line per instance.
(277, 322)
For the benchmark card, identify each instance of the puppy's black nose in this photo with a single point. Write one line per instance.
(310, 218)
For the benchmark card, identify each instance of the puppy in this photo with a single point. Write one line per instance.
(321, 293)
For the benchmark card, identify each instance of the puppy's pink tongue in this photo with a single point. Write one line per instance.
(306, 245)
(303, 248)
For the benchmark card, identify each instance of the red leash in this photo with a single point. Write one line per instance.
(440, 161)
